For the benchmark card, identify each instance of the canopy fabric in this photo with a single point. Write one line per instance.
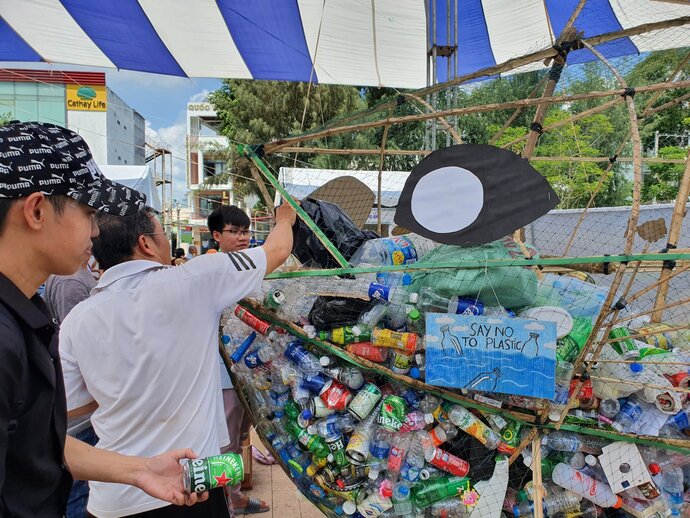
(355, 42)
(139, 177)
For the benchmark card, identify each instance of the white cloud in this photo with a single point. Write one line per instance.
(550, 345)
(461, 328)
(535, 326)
(445, 320)
(430, 338)
(199, 97)
(494, 321)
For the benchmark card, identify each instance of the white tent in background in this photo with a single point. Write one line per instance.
(139, 177)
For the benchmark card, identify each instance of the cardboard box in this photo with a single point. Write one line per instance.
(247, 460)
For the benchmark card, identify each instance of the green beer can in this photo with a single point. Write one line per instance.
(393, 412)
(199, 475)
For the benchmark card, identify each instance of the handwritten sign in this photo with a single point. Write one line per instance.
(490, 354)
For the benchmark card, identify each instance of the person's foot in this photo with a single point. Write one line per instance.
(248, 505)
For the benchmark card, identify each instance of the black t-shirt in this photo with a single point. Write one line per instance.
(33, 478)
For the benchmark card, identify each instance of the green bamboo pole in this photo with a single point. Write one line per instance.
(249, 153)
(490, 263)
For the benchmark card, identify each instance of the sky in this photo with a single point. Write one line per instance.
(162, 101)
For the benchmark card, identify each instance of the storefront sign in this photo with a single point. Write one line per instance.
(86, 98)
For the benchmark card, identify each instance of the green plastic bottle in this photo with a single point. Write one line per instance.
(291, 410)
(315, 444)
(345, 335)
(431, 491)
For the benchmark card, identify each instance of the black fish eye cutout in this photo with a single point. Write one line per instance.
(472, 194)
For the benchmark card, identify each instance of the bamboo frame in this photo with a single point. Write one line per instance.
(277, 145)
(629, 234)
(679, 212)
(648, 110)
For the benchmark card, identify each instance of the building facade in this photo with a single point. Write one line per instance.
(80, 101)
(208, 178)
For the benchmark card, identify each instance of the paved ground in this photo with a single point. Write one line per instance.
(272, 485)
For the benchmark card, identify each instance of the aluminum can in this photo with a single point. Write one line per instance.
(365, 401)
(393, 412)
(260, 326)
(336, 396)
(199, 475)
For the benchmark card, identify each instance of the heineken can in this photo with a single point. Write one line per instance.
(393, 412)
(336, 445)
(365, 401)
(199, 475)
(274, 299)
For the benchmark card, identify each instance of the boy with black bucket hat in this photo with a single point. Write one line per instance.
(50, 192)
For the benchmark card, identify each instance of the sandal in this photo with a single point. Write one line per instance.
(253, 507)
(262, 458)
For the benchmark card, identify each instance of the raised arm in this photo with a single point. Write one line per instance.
(278, 245)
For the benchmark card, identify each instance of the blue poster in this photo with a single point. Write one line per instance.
(489, 354)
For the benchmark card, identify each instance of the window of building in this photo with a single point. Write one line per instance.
(213, 168)
(209, 202)
(34, 101)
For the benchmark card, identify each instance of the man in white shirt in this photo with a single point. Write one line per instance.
(143, 349)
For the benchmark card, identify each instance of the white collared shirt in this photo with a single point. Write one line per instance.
(144, 346)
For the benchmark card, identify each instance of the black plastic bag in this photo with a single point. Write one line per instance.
(330, 312)
(338, 228)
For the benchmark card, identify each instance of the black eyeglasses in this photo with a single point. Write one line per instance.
(236, 232)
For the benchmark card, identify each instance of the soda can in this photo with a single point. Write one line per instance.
(625, 346)
(336, 396)
(400, 362)
(274, 299)
(336, 445)
(365, 401)
(357, 449)
(468, 306)
(680, 380)
(393, 412)
(657, 335)
(260, 326)
(319, 408)
(199, 475)
(315, 383)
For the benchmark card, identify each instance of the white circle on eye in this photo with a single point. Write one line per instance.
(447, 199)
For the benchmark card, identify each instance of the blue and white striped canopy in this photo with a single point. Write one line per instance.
(356, 42)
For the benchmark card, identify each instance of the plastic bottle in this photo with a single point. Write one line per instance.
(392, 250)
(379, 448)
(296, 353)
(598, 492)
(609, 407)
(406, 342)
(449, 508)
(473, 426)
(414, 460)
(628, 416)
(572, 442)
(368, 351)
(564, 375)
(552, 504)
(402, 501)
(414, 321)
(344, 335)
(672, 489)
(262, 356)
(629, 375)
(370, 319)
(429, 301)
(396, 456)
(334, 424)
(428, 492)
(444, 460)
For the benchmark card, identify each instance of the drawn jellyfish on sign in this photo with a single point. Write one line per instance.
(472, 194)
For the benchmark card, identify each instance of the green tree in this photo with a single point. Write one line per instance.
(661, 182)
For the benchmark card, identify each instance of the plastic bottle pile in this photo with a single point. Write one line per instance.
(358, 442)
